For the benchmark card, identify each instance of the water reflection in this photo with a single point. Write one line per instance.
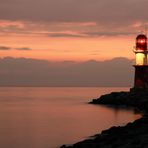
(49, 117)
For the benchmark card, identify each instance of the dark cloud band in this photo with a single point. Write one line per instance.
(10, 48)
(33, 72)
(102, 11)
(5, 48)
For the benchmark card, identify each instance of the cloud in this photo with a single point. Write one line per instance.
(33, 72)
(23, 48)
(68, 29)
(98, 34)
(110, 12)
(5, 48)
(64, 35)
(11, 48)
(90, 34)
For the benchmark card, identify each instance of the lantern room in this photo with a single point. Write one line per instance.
(141, 42)
(141, 50)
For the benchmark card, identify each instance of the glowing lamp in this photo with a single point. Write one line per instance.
(141, 42)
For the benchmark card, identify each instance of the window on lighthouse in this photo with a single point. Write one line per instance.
(140, 59)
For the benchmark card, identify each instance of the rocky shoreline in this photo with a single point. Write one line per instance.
(133, 135)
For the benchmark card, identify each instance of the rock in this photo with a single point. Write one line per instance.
(133, 135)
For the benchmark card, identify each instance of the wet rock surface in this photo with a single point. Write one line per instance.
(133, 135)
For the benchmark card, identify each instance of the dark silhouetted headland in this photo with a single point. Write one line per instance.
(133, 135)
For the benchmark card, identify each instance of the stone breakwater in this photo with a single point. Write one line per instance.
(133, 135)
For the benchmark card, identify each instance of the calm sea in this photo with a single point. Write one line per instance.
(50, 117)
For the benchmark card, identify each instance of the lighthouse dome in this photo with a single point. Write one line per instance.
(141, 42)
(141, 36)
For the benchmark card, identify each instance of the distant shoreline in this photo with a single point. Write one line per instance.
(133, 135)
(67, 86)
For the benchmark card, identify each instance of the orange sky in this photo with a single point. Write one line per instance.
(66, 45)
(71, 29)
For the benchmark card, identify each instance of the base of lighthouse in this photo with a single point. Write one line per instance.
(141, 77)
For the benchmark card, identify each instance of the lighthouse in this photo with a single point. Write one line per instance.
(141, 63)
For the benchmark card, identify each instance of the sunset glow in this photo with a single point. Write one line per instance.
(69, 68)
(21, 40)
(61, 41)
(70, 30)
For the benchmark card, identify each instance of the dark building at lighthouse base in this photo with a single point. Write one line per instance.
(141, 77)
